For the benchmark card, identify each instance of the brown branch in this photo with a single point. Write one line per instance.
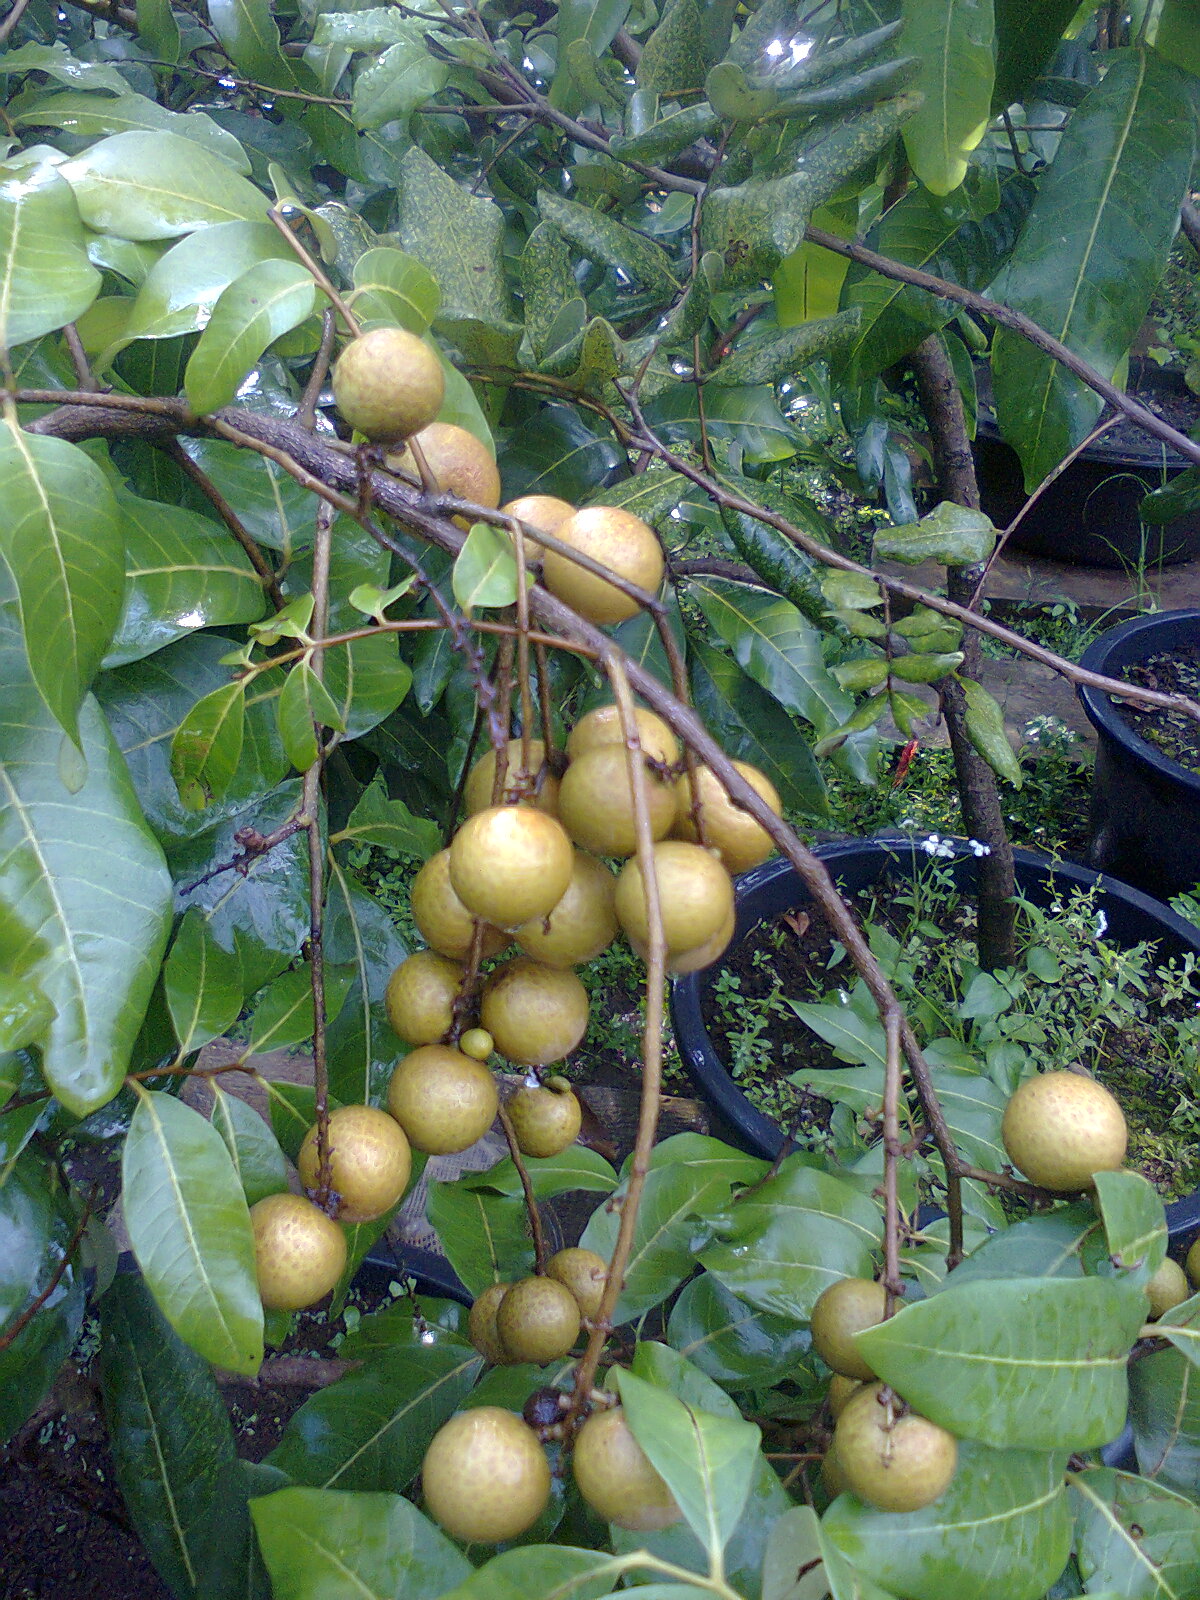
(540, 1253)
(320, 277)
(253, 845)
(1189, 221)
(83, 371)
(892, 1155)
(322, 548)
(56, 1277)
(306, 411)
(253, 550)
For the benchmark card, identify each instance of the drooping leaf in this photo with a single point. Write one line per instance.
(46, 279)
(61, 539)
(592, 22)
(207, 745)
(731, 1340)
(952, 534)
(190, 1231)
(953, 40)
(173, 1446)
(202, 983)
(157, 185)
(323, 1544)
(360, 936)
(403, 77)
(986, 730)
(376, 819)
(185, 283)
(256, 309)
(304, 705)
(253, 1148)
(1135, 1223)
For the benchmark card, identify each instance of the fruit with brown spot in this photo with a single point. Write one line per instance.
(902, 1466)
(369, 1163)
(545, 1120)
(443, 1099)
(299, 1253)
(462, 465)
(1061, 1128)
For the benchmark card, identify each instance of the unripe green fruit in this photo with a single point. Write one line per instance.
(615, 1477)
(443, 921)
(841, 1311)
(901, 1468)
(388, 384)
(1193, 1261)
(538, 1320)
(535, 1014)
(299, 1254)
(485, 1477)
(841, 1391)
(481, 1324)
(595, 803)
(547, 1119)
(1166, 1288)
(695, 895)
(442, 1099)
(509, 864)
(521, 783)
(1060, 1129)
(370, 1162)
(617, 540)
(582, 924)
(583, 1272)
(477, 1043)
(420, 996)
(603, 726)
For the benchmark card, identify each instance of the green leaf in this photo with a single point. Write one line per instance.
(305, 704)
(284, 1015)
(90, 116)
(1176, 37)
(57, 62)
(190, 1231)
(751, 726)
(183, 286)
(202, 983)
(707, 1461)
(182, 572)
(1134, 1537)
(953, 40)
(672, 57)
(602, 238)
(1033, 1362)
(158, 29)
(255, 310)
(360, 936)
(324, 1544)
(781, 1246)
(457, 236)
(1164, 1408)
(985, 728)
(952, 534)
(595, 22)
(576, 1167)
(392, 87)
(253, 1148)
(376, 819)
(207, 746)
(688, 1175)
(173, 1448)
(541, 1572)
(1135, 1223)
(1026, 38)
(61, 538)
(777, 356)
(485, 570)
(732, 1341)
(1005, 1511)
(485, 1236)
(1092, 252)
(670, 134)
(46, 279)
(157, 185)
(370, 1429)
(392, 288)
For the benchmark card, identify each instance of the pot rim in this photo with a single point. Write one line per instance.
(1102, 713)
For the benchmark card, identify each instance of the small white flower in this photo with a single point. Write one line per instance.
(932, 846)
(428, 1336)
(979, 849)
(1101, 925)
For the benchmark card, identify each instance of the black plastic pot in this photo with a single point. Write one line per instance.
(1145, 807)
(1089, 515)
(775, 887)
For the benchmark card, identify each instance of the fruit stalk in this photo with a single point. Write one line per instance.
(531, 1205)
(893, 1154)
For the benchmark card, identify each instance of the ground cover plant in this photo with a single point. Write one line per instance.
(394, 403)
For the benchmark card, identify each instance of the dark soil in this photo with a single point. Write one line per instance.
(1181, 410)
(1176, 736)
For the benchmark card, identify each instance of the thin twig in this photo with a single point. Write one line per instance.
(253, 550)
(306, 411)
(892, 1156)
(320, 276)
(322, 547)
(540, 1253)
(83, 370)
(56, 1277)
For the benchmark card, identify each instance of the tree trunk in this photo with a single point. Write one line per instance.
(979, 793)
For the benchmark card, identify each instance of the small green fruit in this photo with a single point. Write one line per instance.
(545, 1120)
(1166, 1288)
(485, 1477)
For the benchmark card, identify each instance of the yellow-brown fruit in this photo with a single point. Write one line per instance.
(841, 1311)
(595, 803)
(442, 1099)
(1060, 1129)
(833, 1478)
(485, 1477)
(901, 1468)
(369, 1163)
(695, 896)
(1166, 1288)
(694, 960)
(615, 1477)
(521, 784)
(538, 1320)
(1193, 1261)
(603, 726)
(461, 464)
(388, 384)
(841, 1391)
(545, 1120)
(420, 996)
(583, 1272)
(443, 921)
(481, 1324)
(733, 833)
(545, 512)
(535, 1014)
(583, 923)
(299, 1254)
(617, 540)
(509, 864)
(477, 1043)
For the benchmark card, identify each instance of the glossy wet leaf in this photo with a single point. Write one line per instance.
(1038, 1363)
(455, 235)
(1134, 1537)
(91, 116)
(190, 1231)
(576, 1167)
(953, 39)
(207, 746)
(403, 77)
(253, 1148)
(304, 705)
(371, 1428)
(485, 572)
(46, 279)
(324, 1544)
(284, 1014)
(391, 287)
(157, 185)
(1135, 1223)
(1005, 1512)
(540, 1572)
(185, 283)
(485, 1236)
(361, 937)
(731, 1340)
(61, 538)
(256, 309)
(173, 1447)
(202, 983)
(1164, 1408)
